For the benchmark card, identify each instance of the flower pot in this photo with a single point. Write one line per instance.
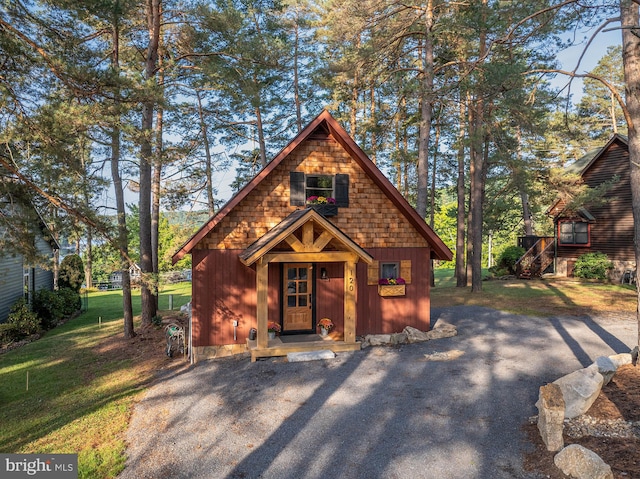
(391, 289)
(272, 334)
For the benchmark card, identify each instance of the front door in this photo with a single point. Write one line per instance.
(298, 290)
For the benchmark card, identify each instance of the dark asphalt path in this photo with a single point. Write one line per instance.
(377, 413)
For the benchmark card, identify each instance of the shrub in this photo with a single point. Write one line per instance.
(509, 257)
(7, 333)
(25, 321)
(70, 300)
(592, 266)
(48, 305)
(71, 273)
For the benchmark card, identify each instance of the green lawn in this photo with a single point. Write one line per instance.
(60, 394)
(536, 297)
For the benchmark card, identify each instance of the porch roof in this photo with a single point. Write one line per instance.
(306, 234)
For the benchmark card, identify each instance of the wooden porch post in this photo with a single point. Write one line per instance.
(262, 313)
(350, 291)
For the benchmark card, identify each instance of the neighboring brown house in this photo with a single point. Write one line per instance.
(607, 228)
(268, 256)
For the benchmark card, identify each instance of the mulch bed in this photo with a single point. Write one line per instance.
(618, 400)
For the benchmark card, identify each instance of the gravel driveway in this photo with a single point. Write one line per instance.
(401, 412)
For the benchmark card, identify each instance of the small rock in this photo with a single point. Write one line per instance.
(581, 463)
(378, 339)
(442, 330)
(415, 335)
(399, 338)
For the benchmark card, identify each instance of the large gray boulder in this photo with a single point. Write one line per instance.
(551, 416)
(581, 463)
(579, 390)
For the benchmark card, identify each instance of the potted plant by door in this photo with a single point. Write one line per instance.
(325, 326)
(272, 329)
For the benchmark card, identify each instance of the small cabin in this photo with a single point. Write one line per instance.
(606, 228)
(319, 233)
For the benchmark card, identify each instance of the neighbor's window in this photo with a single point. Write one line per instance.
(389, 270)
(573, 233)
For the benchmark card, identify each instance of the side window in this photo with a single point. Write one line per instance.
(378, 270)
(574, 233)
(389, 270)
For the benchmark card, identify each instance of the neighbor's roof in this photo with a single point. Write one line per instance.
(325, 121)
(580, 167)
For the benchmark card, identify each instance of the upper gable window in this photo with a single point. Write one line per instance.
(303, 186)
(318, 186)
(573, 233)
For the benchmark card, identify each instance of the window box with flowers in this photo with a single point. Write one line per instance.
(391, 287)
(272, 329)
(323, 205)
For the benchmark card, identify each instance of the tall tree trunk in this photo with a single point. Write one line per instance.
(522, 186)
(461, 272)
(146, 160)
(630, 20)
(434, 170)
(123, 236)
(261, 140)
(426, 98)
(477, 178)
(207, 151)
(296, 72)
(88, 262)
(374, 139)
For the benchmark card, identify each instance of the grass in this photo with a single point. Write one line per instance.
(81, 394)
(61, 394)
(536, 297)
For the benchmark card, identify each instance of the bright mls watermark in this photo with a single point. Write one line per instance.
(49, 466)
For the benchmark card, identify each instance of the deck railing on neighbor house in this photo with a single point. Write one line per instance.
(537, 258)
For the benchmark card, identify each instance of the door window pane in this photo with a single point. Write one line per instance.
(291, 273)
(302, 287)
(291, 287)
(302, 300)
(291, 301)
(302, 273)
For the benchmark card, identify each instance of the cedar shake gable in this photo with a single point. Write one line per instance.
(324, 125)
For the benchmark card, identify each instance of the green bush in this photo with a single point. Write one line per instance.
(71, 273)
(592, 266)
(7, 333)
(70, 300)
(25, 321)
(52, 306)
(509, 257)
(48, 306)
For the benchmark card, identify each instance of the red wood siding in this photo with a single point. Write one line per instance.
(612, 231)
(224, 291)
(386, 315)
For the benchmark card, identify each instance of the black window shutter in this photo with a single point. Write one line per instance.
(296, 180)
(342, 190)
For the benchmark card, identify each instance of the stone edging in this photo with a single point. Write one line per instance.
(563, 403)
